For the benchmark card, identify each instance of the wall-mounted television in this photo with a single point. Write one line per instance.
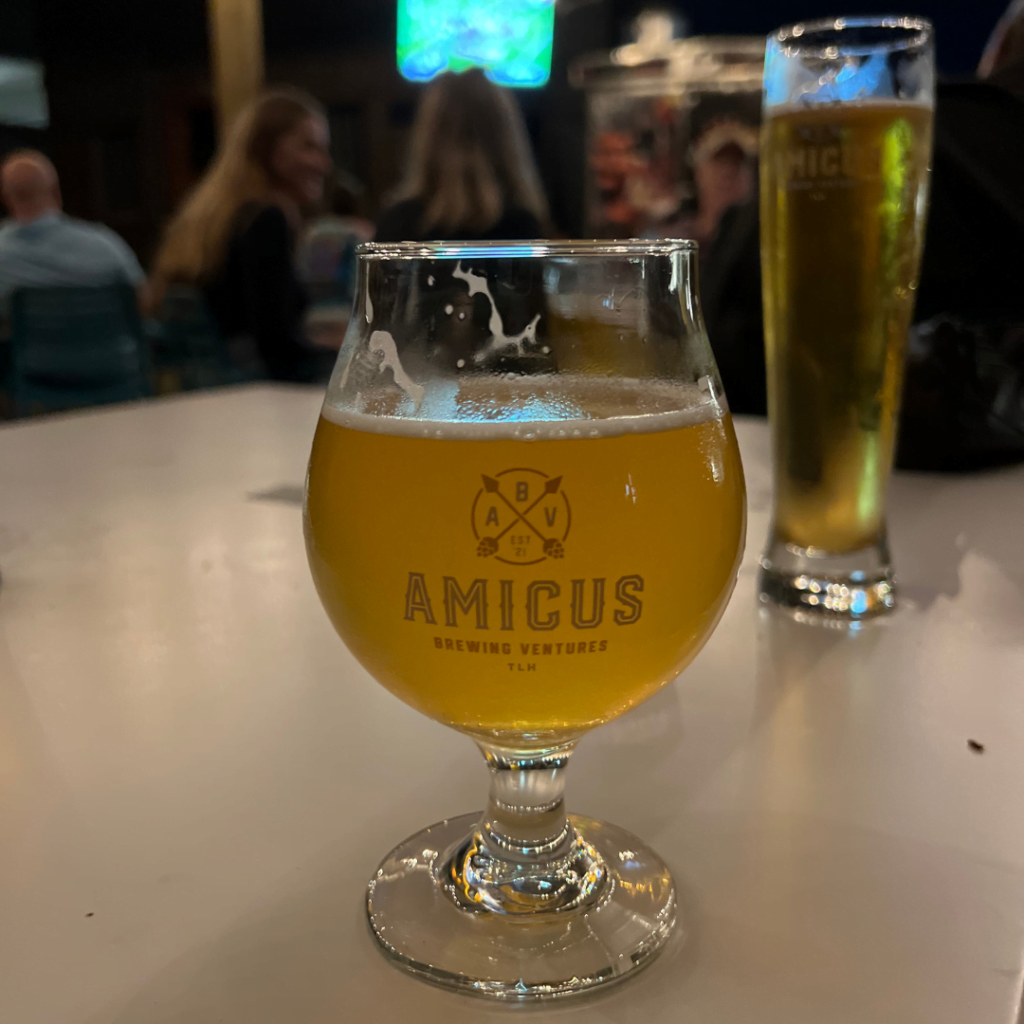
(510, 39)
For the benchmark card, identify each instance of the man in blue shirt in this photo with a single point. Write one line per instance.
(41, 247)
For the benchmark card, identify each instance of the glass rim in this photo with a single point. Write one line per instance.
(908, 30)
(536, 248)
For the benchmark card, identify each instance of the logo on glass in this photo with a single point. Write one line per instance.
(521, 517)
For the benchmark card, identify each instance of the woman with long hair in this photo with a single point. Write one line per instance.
(471, 172)
(234, 237)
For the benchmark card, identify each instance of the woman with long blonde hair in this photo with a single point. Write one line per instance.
(471, 171)
(234, 236)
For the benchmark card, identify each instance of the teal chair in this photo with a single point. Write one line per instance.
(75, 347)
(187, 342)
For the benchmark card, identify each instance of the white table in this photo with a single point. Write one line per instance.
(196, 779)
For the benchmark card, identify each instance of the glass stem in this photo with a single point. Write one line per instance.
(525, 818)
(524, 857)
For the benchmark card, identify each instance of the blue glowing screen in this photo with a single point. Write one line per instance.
(510, 39)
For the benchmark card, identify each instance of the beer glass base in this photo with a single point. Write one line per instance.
(522, 958)
(833, 588)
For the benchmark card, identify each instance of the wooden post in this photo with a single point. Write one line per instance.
(236, 44)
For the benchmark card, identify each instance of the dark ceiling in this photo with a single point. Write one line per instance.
(175, 30)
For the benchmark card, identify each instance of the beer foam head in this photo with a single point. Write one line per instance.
(531, 407)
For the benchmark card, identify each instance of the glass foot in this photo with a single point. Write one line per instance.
(832, 588)
(618, 918)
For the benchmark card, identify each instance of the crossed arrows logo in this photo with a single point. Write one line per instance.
(551, 541)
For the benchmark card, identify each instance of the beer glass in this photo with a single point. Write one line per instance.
(844, 177)
(524, 515)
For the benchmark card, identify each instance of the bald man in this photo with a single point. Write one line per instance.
(41, 247)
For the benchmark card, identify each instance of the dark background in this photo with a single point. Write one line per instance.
(130, 99)
(177, 30)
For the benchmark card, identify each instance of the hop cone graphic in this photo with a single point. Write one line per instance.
(486, 547)
(553, 548)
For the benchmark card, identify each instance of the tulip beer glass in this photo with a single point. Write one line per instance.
(524, 515)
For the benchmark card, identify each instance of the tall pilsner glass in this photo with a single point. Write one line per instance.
(524, 515)
(844, 178)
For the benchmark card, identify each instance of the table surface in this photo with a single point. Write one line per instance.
(197, 779)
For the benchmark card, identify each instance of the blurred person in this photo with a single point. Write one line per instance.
(972, 258)
(964, 394)
(723, 175)
(42, 247)
(726, 226)
(730, 271)
(723, 159)
(344, 207)
(327, 259)
(616, 165)
(235, 235)
(471, 175)
(327, 247)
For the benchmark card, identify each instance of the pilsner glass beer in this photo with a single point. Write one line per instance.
(844, 177)
(522, 540)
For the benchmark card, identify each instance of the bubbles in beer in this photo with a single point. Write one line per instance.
(530, 408)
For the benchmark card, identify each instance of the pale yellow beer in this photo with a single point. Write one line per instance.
(842, 217)
(527, 578)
